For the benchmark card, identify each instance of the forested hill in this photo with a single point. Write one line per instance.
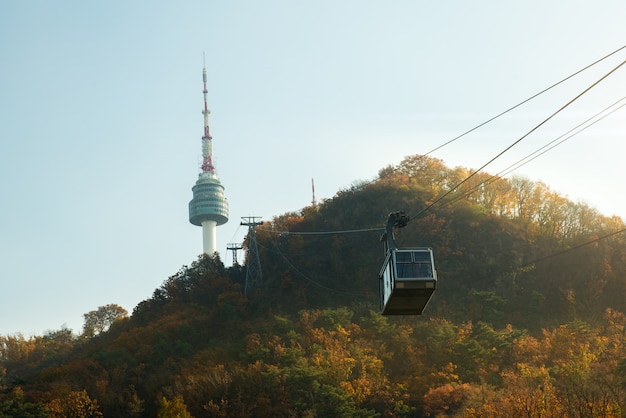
(527, 319)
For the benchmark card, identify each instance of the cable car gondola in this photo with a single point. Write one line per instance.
(407, 278)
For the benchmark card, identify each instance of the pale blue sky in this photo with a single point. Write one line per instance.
(100, 121)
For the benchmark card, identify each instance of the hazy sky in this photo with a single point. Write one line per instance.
(101, 124)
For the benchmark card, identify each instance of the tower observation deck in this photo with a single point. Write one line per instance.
(209, 207)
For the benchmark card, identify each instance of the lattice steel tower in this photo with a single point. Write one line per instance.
(209, 207)
(254, 274)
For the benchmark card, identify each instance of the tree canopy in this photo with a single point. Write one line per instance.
(102, 318)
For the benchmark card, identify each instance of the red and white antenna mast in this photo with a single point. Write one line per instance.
(209, 207)
(207, 141)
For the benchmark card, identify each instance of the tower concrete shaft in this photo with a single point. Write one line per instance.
(209, 207)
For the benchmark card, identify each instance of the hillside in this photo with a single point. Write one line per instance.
(527, 319)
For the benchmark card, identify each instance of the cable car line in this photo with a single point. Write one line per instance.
(496, 177)
(361, 295)
(523, 102)
(518, 140)
(526, 267)
(348, 231)
(408, 294)
(402, 283)
(559, 140)
(294, 268)
(527, 159)
(566, 136)
(236, 232)
(532, 263)
(512, 108)
(542, 150)
(308, 279)
(459, 137)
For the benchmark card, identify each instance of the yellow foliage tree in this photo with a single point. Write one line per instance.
(74, 405)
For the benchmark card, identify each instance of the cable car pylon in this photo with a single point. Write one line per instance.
(407, 278)
(254, 274)
(234, 247)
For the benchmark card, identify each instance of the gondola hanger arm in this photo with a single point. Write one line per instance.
(396, 220)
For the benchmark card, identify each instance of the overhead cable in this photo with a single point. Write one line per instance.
(464, 134)
(308, 279)
(547, 147)
(572, 248)
(524, 101)
(519, 140)
(348, 231)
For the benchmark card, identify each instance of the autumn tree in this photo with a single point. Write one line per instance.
(101, 319)
(74, 405)
(174, 408)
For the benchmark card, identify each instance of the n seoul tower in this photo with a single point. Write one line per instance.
(209, 207)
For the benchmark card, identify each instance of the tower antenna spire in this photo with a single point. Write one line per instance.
(207, 141)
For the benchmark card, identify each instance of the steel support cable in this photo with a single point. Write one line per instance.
(539, 152)
(584, 244)
(348, 231)
(305, 277)
(520, 268)
(525, 101)
(530, 157)
(505, 111)
(550, 146)
(518, 141)
(456, 138)
(526, 267)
